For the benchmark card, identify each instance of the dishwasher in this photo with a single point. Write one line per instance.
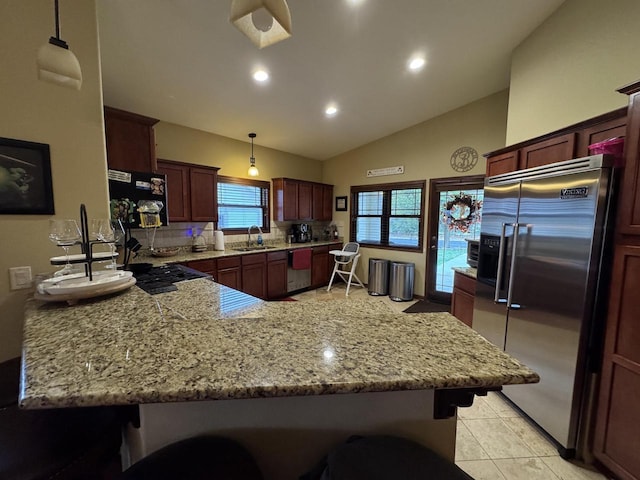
(297, 279)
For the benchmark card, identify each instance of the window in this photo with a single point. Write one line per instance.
(242, 203)
(389, 215)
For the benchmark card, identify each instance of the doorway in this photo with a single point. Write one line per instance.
(455, 214)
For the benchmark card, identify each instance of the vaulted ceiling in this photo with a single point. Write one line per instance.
(181, 61)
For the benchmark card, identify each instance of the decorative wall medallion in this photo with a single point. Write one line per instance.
(464, 159)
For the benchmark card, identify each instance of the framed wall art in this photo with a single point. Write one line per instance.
(341, 204)
(25, 178)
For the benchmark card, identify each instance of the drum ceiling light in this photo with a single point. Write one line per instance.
(265, 22)
(56, 63)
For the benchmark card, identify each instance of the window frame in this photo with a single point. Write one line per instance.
(386, 189)
(266, 208)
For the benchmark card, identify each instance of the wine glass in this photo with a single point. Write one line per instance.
(117, 234)
(64, 233)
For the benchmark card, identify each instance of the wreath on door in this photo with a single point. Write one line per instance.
(462, 212)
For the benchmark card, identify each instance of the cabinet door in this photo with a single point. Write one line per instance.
(555, 149)
(276, 275)
(327, 202)
(130, 139)
(317, 204)
(629, 202)
(204, 202)
(290, 200)
(503, 163)
(305, 198)
(320, 267)
(462, 306)
(617, 442)
(603, 131)
(231, 277)
(254, 275)
(178, 191)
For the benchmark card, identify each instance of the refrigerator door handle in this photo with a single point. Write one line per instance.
(503, 235)
(516, 232)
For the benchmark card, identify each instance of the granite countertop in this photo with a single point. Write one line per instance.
(468, 271)
(208, 341)
(186, 255)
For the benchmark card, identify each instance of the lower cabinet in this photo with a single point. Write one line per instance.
(320, 266)
(229, 272)
(254, 274)
(207, 266)
(277, 264)
(464, 289)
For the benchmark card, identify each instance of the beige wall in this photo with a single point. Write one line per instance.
(183, 144)
(568, 69)
(425, 151)
(69, 121)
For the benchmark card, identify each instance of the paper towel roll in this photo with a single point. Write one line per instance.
(218, 238)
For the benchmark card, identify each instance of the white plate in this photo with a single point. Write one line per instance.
(81, 257)
(81, 284)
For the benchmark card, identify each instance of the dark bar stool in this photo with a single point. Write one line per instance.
(65, 444)
(204, 457)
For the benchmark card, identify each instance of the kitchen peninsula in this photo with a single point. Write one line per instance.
(289, 380)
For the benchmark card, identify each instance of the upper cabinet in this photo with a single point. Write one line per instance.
(295, 200)
(565, 144)
(191, 191)
(629, 201)
(131, 143)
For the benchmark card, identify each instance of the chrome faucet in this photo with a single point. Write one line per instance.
(249, 234)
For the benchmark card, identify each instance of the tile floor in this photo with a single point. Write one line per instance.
(494, 442)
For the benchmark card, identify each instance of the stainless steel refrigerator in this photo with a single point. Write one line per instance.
(542, 260)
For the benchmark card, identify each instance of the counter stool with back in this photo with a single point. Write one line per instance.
(346, 261)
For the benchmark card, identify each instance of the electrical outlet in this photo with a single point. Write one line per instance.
(20, 277)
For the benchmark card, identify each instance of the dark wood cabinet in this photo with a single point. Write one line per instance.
(462, 299)
(208, 265)
(565, 144)
(230, 272)
(277, 264)
(503, 163)
(295, 200)
(616, 438)
(553, 150)
(130, 140)
(178, 191)
(254, 274)
(320, 266)
(191, 191)
(322, 202)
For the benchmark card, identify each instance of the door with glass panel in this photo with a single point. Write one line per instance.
(455, 214)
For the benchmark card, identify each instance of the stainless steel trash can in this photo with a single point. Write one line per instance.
(401, 281)
(378, 276)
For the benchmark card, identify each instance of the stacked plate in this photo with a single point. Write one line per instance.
(78, 286)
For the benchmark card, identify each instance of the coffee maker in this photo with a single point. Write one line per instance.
(301, 232)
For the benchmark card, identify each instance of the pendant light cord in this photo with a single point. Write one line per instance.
(57, 20)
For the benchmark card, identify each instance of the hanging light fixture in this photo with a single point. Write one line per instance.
(253, 170)
(56, 63)
(265, 22)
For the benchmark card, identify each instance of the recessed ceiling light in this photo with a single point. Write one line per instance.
(416, 63)
(260, 76)
(331, 110)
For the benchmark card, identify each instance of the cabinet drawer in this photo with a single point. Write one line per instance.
(208, 265)
(254, 258)
(228, 262)
(465, 283)
(273, 256)
(319, 250)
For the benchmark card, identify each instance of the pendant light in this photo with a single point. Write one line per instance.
(56, 63)
(265, 22)
(253, 170)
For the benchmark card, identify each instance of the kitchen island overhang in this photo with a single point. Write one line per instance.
(207, 342)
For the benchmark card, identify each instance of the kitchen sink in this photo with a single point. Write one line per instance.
(252, 249)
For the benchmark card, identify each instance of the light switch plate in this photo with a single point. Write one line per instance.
(20, 277)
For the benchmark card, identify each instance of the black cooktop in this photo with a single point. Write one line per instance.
(162, 279)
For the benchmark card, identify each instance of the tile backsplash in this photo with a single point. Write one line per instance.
(180, 234)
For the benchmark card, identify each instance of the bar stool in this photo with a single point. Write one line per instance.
(345, 264)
